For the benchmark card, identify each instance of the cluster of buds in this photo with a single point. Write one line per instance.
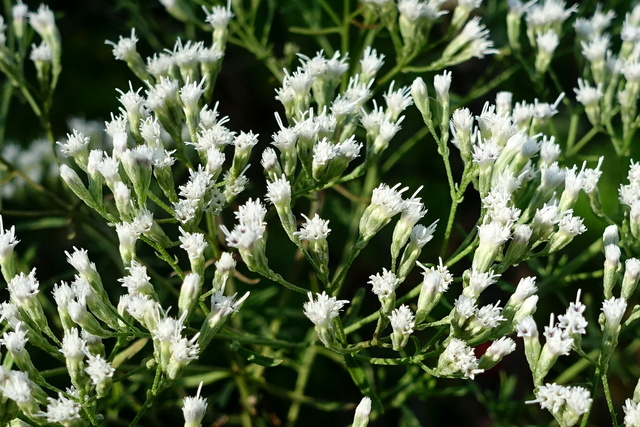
(46, 56)
(613, 77)
(82, 312)
(413, 20)
(323, 311)
(561, 337)
(629, 195)
(319, 144)
(614, 308)
(566, 404)
(543, 27)
(146, 139)
(526, 202)
(88, 317)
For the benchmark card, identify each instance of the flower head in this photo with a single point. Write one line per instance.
(323, 309)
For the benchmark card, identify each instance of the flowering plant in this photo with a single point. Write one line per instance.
(244, 259)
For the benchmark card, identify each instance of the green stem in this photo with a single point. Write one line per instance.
(160, 203)
(156, 388)
(403, 149)
(304, 372)
(334, 286)
(164, 255)
(607, 395)
(583, 141)
(272, 275)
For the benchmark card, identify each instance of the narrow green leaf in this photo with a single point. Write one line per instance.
(359, 378)
(257, 358)
(129, 352)
(205, 379)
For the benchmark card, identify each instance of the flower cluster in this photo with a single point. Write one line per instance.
(168, 179)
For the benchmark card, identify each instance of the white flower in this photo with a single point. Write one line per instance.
(269, 159)
(547, 42)
(98, 369)
(323, 309)
(314, 229)
(337, 66)
(19, 12)
(571, 225)
(323, 152)
(184, 350)
(590, 177)
(15, 341)
(573, 320)
(194, 408)
(109, 169)
(549, 150)
(492, 235)
(41, 53)
(363, 410)
(193, 243)
(485, 153)
(223, 306)
(477, 36)
(610, 236)
(614, 309)
(631, 413)
(79, 260)
(388, 198)
(8, 240)
(442, 82)
(527, 328)
(225, 263)
(24, 288)
(544, 110)
(142, 308)
(17, 386)
(503, 102)
(62, 410)
(421, 235)
(383, 285)
(402, 322)
(500, 348)
(551, 176)
(371, 62)
(459, 358)
(559, 341)
(42, 21)
(125, 49)
(596, 48)
(218, 17)
(397, 101)
(586, 94)
(200, 181)
(190, 93)
(73, 346)
(526, 287)
(558, 399)
(489, 315)
(465, 306)
(445, 277)
(479, 281)
(549, 12)
(10, 314)
(137, 278)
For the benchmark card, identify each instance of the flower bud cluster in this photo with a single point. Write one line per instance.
(611, 86)
(561, 337)
(566, 403)
(527, 202)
